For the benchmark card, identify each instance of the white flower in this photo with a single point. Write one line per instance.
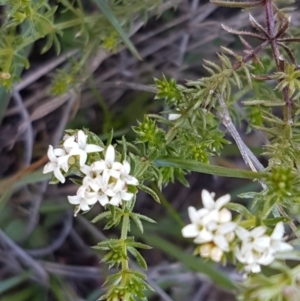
(76, 145)
(277, 245)
(83, 199)
(219, 234)
(213, 209)
(58, 160)
(253, 240)
(211, 227)
(126, 177)
(260, 249)
(108, 166)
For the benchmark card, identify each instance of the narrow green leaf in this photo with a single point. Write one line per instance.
(139, 258)
(193, 263)
(101, 216)
(146, 218)
(150, 192)
(13, 281)
(240, 209)
(137, 221)
(114, 22)
(196, 166)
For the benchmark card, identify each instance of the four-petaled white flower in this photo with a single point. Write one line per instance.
(83, 199)
(277, 244)
(76, 145)
(55, 164)
(213, 210)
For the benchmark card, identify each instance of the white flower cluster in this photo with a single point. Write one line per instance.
(257, 248)
(212, 228)
(61, 158)
(105, 181)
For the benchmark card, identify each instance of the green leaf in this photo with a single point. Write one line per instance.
(108, 14)
(150, 192)
(101, 216)
(193, 263)
(146, 218)
(13, 281)
(274, 221)
(137, 221)
(240, 209)
(196, 166)
(139, 258)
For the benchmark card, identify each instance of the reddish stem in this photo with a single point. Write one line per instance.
(270, 21)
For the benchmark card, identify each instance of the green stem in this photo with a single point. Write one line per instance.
(124, 232)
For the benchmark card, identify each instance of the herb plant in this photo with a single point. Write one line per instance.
(182, 139)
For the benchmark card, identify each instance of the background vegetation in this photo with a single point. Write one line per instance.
(70, 64)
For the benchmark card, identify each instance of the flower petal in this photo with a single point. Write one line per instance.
(280, 246)
(103, 199)
(58, 152)
(192, 214)
(81, 139)
(126, 196)
(221, 201)
(59, 176)
(93, 148)
(242, 233)
(51, 154)
(70, 143)
(207, 200)
(132, 181)
(190, 230)
(84, 205)
(258, 231)
(74, 200)
(49, 167)
(126, 166)
(224, 216)
(203, 236)
(99, 166)
(110, 154)
(115, 200)
(63, 162)
(227, 228)
(221, 242)
(278, 231)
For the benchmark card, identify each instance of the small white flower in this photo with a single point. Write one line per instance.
(277, 245)
(108, 166)
(253, 240)
(83, 199)
(213, 209)
(126, 177)
(57, 159)
(219, 234)
(76, 145)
